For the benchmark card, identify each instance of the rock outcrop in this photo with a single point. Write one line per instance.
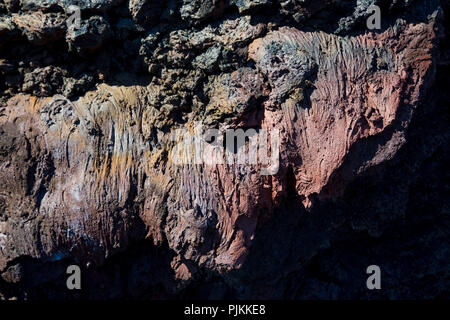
(87, 124)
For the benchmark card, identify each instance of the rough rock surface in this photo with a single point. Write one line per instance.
(87, 118)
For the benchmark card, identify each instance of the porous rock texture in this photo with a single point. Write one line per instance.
(87, 117)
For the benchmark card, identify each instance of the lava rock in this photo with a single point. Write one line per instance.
(247, 5)
(146, 12)
(93, 33)
(195, 11)
(44, 5)
(43, 82)
(41, 28)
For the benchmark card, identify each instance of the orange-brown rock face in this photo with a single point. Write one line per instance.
(95, 173)
(86, 178)
(357, 92)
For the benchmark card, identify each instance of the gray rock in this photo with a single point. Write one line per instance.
(195, 11)
(286, 66)
(28, 5)
(90, 37)
(246, 5)
(208, 60)
(360, 12)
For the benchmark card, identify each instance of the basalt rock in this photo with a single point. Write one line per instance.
(88, 149)
(90, 37)
(246, 5)
(44, 5)
(41, 28)
(196, 11)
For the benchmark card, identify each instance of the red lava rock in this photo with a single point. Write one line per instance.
(80, 175)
